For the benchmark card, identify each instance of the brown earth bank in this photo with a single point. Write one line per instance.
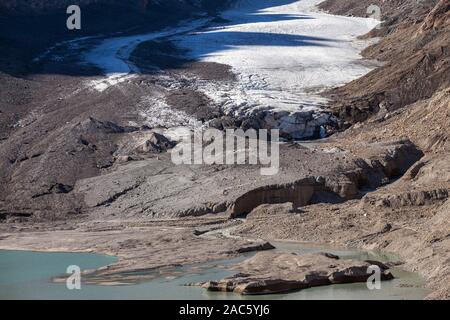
(146, 248)
(81, 170)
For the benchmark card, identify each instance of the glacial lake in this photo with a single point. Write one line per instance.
(28, 274)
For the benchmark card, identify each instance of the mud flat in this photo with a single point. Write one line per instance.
(143, 247)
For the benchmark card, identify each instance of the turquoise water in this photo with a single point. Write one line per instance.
(27, 275)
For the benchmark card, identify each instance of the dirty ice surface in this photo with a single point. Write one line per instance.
(284, 52)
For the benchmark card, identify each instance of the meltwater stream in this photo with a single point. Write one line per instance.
(27, 275)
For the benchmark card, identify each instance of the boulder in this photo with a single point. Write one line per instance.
(272, 272)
